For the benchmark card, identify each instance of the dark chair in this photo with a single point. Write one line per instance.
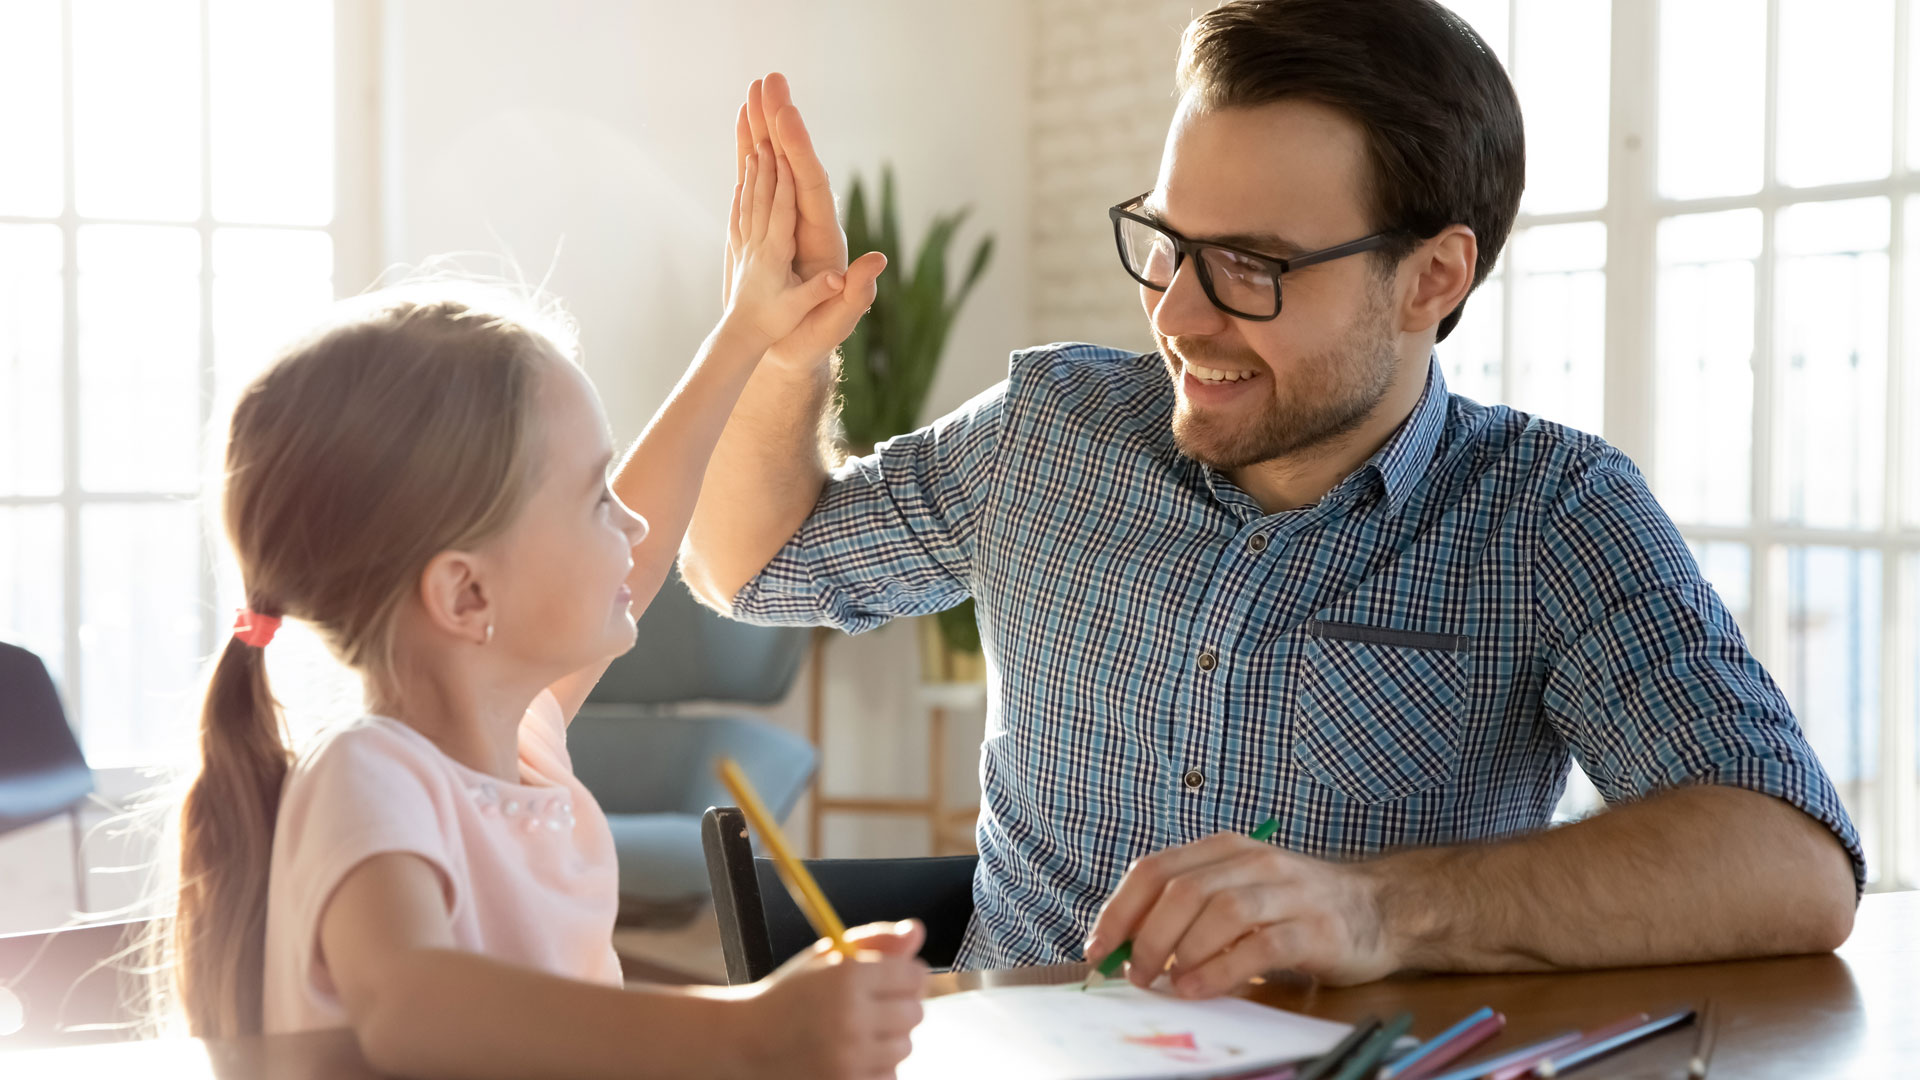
(760, 927)
(42, 771)
(67, 987)
(649, 763)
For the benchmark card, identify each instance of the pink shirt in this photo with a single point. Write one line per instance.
(528, 868)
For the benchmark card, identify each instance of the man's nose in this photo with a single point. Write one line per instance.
(1183, 309)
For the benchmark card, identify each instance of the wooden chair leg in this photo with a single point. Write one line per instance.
(817, 733)
(79, 859)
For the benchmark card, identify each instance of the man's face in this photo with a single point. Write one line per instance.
(1282, 179)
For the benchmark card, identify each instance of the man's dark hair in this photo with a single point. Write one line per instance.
(1441, 119)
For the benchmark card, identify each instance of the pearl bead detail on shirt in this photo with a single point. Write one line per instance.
(555, 813)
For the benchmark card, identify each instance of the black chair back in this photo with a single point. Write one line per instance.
(71, 986)
(761, 928)
(42, 771)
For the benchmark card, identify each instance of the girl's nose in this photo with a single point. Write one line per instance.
(636, 529)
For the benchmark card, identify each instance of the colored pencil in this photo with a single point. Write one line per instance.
(1702, 1044)
(1524, 1058)
(1455, 1048)
(806, 892)
(1419, 1054)
(1600, 1048)
(1124, 951)
(1587, 1038)
(1327, 1062)
(1366, 1060)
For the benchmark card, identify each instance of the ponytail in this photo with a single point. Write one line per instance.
(398, 432)
(226, 845)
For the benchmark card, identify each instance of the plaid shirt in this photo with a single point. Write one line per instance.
(1410, 661)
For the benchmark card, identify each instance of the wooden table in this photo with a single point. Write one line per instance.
(1852, 1014)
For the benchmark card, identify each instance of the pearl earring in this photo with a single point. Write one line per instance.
(489, 640)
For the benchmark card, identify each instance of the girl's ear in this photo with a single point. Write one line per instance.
(456, 598)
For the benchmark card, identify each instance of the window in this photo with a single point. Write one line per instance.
(169, 209)
(1710, 269)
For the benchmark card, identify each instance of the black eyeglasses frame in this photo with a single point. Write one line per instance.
(1184, 248)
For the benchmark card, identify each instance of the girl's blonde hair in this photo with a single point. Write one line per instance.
(399, 432)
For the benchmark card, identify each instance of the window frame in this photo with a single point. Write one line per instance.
(354, 232)
(1632, 215)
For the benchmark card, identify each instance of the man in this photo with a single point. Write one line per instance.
(1276, 570)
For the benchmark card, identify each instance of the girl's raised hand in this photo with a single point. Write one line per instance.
(767, 300)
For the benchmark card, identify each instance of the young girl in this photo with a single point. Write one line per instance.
(426, 485)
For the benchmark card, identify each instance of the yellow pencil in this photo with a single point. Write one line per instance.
(806, 892)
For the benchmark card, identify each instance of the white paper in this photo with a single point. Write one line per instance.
(1115, 1032)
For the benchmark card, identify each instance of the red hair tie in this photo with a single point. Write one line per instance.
(255, 629)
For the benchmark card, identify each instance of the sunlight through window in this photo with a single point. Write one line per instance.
(193, 236)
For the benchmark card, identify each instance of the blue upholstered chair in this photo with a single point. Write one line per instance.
(649, 762)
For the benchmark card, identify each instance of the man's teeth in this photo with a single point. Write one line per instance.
(1210, 375)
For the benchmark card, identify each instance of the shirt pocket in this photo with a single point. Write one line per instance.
(1381, 709)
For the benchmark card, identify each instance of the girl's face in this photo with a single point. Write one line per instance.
(561, 596)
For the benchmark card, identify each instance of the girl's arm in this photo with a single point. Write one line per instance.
(421, 1007)
(661, 474)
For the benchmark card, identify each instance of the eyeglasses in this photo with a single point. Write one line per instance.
(1242, 283)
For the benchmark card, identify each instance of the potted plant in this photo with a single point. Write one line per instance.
(887, 367)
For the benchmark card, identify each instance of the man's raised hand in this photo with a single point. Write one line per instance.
(769, 117)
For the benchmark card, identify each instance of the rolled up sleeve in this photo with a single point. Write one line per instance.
(893, 533)
(1648, 677)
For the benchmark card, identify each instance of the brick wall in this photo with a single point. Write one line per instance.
(1102, 94)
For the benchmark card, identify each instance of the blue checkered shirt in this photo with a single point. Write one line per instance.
(1410, 661)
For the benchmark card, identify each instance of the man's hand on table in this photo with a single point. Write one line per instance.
(1698, 873)
(1227, 909)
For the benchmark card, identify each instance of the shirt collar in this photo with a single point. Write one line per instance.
(1402, 463)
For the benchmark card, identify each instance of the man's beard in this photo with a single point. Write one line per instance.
(1327, 395)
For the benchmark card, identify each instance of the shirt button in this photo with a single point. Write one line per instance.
(1194, 779)
(1208, 661)
(1259, 542)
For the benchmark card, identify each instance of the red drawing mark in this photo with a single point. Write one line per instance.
(1181, 1041)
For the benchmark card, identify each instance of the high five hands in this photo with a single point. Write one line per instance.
(769, 122)
(766, 300)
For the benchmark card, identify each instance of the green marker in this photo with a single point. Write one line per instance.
(1119, 956)
(1366, 1060)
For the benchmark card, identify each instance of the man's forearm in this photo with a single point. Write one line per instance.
(1697, 874)
(765, 476)
(653, 477)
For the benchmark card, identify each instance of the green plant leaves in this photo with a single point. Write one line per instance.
(888, 363)
(959, 628)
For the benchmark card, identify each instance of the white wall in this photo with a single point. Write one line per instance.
(1102, 96)
(604, 130)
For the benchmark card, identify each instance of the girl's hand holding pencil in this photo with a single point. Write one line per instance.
(847, 1006)
(824, 1014)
